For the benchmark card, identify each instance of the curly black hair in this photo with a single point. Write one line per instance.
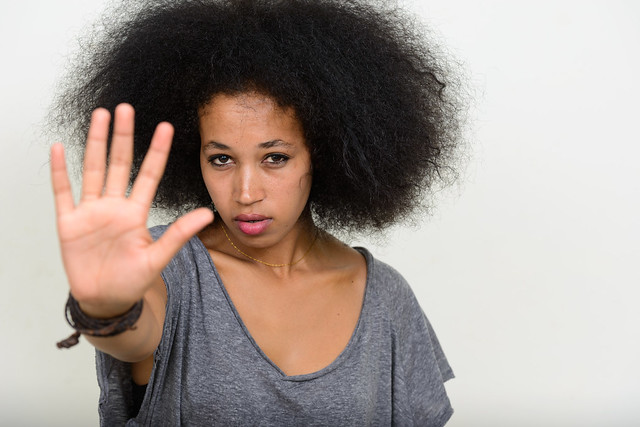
(377, 102)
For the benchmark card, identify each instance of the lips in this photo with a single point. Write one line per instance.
(252, 224)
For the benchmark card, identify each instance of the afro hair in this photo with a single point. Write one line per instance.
(378, 101)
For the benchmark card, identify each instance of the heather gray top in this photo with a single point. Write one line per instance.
(208, 370)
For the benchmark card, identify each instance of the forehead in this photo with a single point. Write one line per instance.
(247, 117)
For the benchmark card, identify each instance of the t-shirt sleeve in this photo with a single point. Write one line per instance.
(420, 366)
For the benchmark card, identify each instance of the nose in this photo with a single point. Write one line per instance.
(248, 188)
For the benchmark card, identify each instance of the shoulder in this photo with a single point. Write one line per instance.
(385, 275)
(389, 287)
(393, 297)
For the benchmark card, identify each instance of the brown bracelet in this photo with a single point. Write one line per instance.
(92, 326)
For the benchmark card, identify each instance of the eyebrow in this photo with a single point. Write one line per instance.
(214, 145)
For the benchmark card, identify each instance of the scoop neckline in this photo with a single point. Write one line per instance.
(345, 351)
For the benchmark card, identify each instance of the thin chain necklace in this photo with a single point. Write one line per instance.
(268, 263)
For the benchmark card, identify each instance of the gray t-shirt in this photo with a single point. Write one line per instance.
(208, 370)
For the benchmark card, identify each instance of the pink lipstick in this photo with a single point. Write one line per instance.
(252, 224)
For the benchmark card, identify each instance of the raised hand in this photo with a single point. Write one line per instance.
(108, 254)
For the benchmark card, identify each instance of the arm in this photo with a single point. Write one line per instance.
(110, 259)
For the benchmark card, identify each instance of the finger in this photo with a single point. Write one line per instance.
(62, 194)
(121, 153)
(95, 155)
(146, 183)
(177, 235)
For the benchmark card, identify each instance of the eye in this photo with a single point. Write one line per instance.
(220, 160)
(276, 159)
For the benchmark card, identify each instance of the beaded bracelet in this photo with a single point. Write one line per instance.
(84, 324)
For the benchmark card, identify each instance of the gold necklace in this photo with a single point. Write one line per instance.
(268, 263)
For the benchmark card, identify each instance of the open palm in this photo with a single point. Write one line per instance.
(108, 254)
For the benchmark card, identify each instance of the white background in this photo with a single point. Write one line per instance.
(528, 271)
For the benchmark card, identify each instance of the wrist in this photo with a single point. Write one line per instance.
(86, 324)
(103, 310)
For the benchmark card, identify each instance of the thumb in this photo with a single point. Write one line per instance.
(177, 235)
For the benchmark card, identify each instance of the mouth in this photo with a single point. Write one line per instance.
(252, 224)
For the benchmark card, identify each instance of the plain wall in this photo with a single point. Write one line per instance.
(528, 270)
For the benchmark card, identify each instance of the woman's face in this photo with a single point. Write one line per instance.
(256, 166)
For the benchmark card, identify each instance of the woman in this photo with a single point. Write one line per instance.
(291, 118)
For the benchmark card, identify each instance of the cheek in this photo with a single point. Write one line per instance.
(206, 178)
(304, 184)
(211, 182)
(298, 189)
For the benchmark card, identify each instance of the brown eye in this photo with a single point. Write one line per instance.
(276, 159)
(220, 160)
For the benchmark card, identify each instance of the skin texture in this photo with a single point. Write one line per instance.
(255, 161)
